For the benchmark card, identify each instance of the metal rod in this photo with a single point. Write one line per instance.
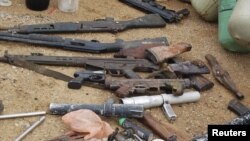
(23, 115)
(32, 127)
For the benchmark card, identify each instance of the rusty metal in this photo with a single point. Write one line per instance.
(223, 76)
(189, 67)
(113, 66)
(162, 74)
(160, 54)
(128, 87)
(139, 51)
(201, 83)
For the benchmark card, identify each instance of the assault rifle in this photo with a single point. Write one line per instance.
(152, 7)
(93, 46)
(99, 25)
(113, 66)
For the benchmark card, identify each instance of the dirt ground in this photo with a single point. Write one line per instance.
(26, 91)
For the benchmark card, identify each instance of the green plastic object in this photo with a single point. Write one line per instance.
(121, 121)
(225, 11)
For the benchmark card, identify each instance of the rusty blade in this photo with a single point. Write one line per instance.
(223, 76)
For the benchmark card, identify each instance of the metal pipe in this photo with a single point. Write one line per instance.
(32, 127)
(158, 100)
(109, 108)
(22, 115)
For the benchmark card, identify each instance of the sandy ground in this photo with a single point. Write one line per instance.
(26, 91)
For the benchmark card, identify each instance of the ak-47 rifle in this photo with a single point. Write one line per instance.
(114, 66)
(99, 25)
(152, 7)
(93, 46)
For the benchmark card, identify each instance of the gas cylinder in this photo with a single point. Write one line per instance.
(239, 23)
(225, 11)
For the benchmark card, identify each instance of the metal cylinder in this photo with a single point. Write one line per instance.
(32, 127)
(106, 109)
(22, 115)
(158, 100)
(239, 23)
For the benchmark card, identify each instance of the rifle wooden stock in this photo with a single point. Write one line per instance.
(160, 54)
(165, 130)
(201, 83)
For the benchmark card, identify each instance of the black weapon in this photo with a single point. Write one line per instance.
(99, 25)
(93, 46)
(152, 7)
(88, 76)
(106, 109)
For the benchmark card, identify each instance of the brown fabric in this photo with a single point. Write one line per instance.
(86, 122)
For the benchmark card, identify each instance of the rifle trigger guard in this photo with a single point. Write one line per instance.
(97, 78)
(115, 72)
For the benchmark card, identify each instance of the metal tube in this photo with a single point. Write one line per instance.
(32, 127)
(158, 100)
(22, 115)
(106, 109)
